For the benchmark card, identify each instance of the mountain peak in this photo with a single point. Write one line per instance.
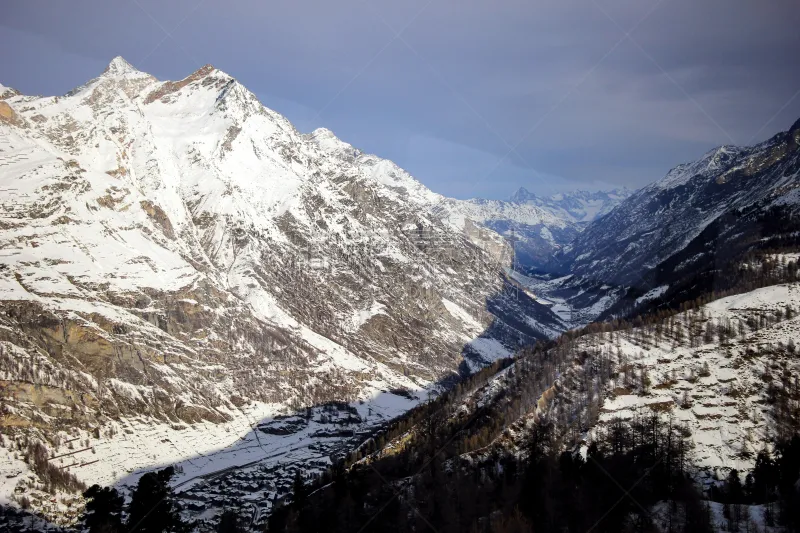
(7, 92)
(205, 70)
(119, 66)
(321, 133)
(522, 195)
(329, 142)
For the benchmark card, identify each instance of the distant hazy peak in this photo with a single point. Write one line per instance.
(524, 195)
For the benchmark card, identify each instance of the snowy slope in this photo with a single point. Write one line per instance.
(715, 370)
(718, 388)
(673, 237)
(728, 189)
(172, 252)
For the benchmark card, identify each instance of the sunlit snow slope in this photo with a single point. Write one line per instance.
(178, 252)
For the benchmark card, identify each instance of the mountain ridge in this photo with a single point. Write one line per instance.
(181, 270)
(175, 254)
(675, 236)
(576, 205)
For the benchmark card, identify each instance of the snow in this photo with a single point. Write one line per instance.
(682, 174)
(200, 452)
(118, 66)
(362, 316)
(126, 389)
(625, 404)
(130, 205)
(726, 412)
(483, 211)
(12, 470)
(574, 206)
(652, 294)
(489, 349)
(206, 448)
(458, 312)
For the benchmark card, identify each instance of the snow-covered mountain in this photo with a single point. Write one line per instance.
(674, 236)
(707, 369)
(536, 227)
(664, 217)
(177, 253)
(720, 376)
(712, 369)
(575, 206)
(533, 233)
(187, 279)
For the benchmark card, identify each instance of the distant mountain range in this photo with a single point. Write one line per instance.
(537, 227)
(575, 206)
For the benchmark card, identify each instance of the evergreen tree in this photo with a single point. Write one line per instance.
(299, 491)
(229, 523)
(103, 510)
(152, 508)
(734, 492)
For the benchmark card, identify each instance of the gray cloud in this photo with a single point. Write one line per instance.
(465, 81)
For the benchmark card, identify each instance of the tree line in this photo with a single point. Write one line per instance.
(152, 509)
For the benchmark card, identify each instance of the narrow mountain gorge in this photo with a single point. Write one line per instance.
(308, 335)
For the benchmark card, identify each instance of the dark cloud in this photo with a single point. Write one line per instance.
(465, 82)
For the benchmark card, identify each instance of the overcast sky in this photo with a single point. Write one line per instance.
(474, 98)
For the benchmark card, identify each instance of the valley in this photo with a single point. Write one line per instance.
(189, 282)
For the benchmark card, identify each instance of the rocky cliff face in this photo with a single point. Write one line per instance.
(176, 250)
